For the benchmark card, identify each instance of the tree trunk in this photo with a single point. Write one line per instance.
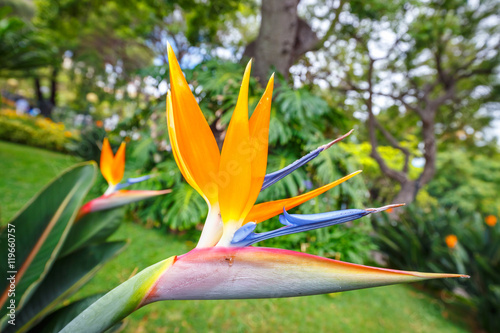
(38, 89)
(430, 148)
(53, 87)
(283, 38)
(46, 105)
(41, 102)
(407, 193)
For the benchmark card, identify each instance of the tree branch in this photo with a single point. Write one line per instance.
(394, 143)
(394, 174)
(332, 26)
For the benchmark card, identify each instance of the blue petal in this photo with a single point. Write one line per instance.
(295, 223)
(272, 178)
(131, 181)
(308, 219)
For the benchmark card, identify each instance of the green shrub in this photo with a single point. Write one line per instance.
(419, 242)
(33, 131)
(88, 144)
(481, 243)
(469, 181)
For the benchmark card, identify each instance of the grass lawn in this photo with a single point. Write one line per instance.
(397, 308)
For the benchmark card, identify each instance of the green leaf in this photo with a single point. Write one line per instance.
(39, 230)
(67, 275)
(92, 228)
(56, 321)
(186, 207)
(119, 302)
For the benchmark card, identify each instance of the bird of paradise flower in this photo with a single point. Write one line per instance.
(224, 265)
(112, 169)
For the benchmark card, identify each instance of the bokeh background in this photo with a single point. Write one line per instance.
(418, 81)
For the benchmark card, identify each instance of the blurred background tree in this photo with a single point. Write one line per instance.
(432, 64)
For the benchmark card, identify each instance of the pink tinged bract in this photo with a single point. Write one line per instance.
(235, 273)
(117, 199)
(254, 272)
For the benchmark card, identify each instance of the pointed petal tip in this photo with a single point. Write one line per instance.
(270, 82)
(381, 209)
(438, 275)
(328, 145)
(248, 67)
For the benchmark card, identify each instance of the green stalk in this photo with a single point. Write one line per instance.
(119, 302)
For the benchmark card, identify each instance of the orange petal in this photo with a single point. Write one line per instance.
(195, 142)
(175, 147)
(107, 161)
(266, 210)
(118, 165)
(259, 141)
(235, 172)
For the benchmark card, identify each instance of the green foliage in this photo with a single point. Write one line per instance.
(297, 107)
(482, 245)
(380, 188)
(34, 131)
(21, 47)
(87, 145)
(468, 181)
(418, 242)
(204, 20)
(54, 255)
(98, 31)
(185, 208)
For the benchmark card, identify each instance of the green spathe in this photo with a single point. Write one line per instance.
(119, 302)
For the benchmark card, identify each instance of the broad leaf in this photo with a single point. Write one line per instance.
(54, 322)
(119, 302)
(40, 229)
(67, 275)
(92, 228)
